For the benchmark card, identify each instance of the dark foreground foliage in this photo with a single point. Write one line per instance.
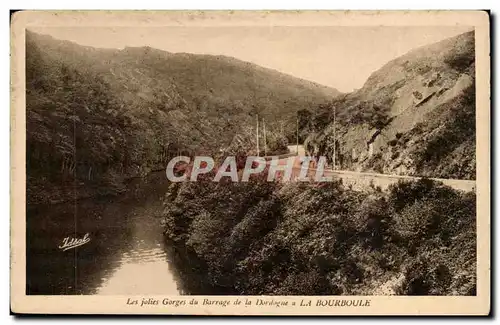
(303, 239)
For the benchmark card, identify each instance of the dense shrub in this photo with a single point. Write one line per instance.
(300, 238)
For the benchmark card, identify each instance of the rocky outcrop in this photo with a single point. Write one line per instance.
(427, 102)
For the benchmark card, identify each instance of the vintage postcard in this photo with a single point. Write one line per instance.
(250, 162)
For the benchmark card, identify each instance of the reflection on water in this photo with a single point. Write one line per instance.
(140, 272)
(126, 253)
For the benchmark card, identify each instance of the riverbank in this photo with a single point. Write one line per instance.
(261, 238)
(38, 194)
(40, 191)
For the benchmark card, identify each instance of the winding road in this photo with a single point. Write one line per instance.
(362, 180)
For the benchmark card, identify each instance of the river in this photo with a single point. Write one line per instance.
(126, 254)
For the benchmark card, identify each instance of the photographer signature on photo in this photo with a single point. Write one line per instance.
(71, 242)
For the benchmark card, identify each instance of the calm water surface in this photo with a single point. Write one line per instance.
(126, 253)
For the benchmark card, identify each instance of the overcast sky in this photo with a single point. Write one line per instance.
(340, 57)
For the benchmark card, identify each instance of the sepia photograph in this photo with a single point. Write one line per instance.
(335, 160)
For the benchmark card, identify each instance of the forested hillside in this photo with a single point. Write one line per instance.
(308, 239)
(414, 116)
(98, 116)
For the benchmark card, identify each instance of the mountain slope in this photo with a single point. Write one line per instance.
(414, 116)
(106, 114)
(199, 79)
